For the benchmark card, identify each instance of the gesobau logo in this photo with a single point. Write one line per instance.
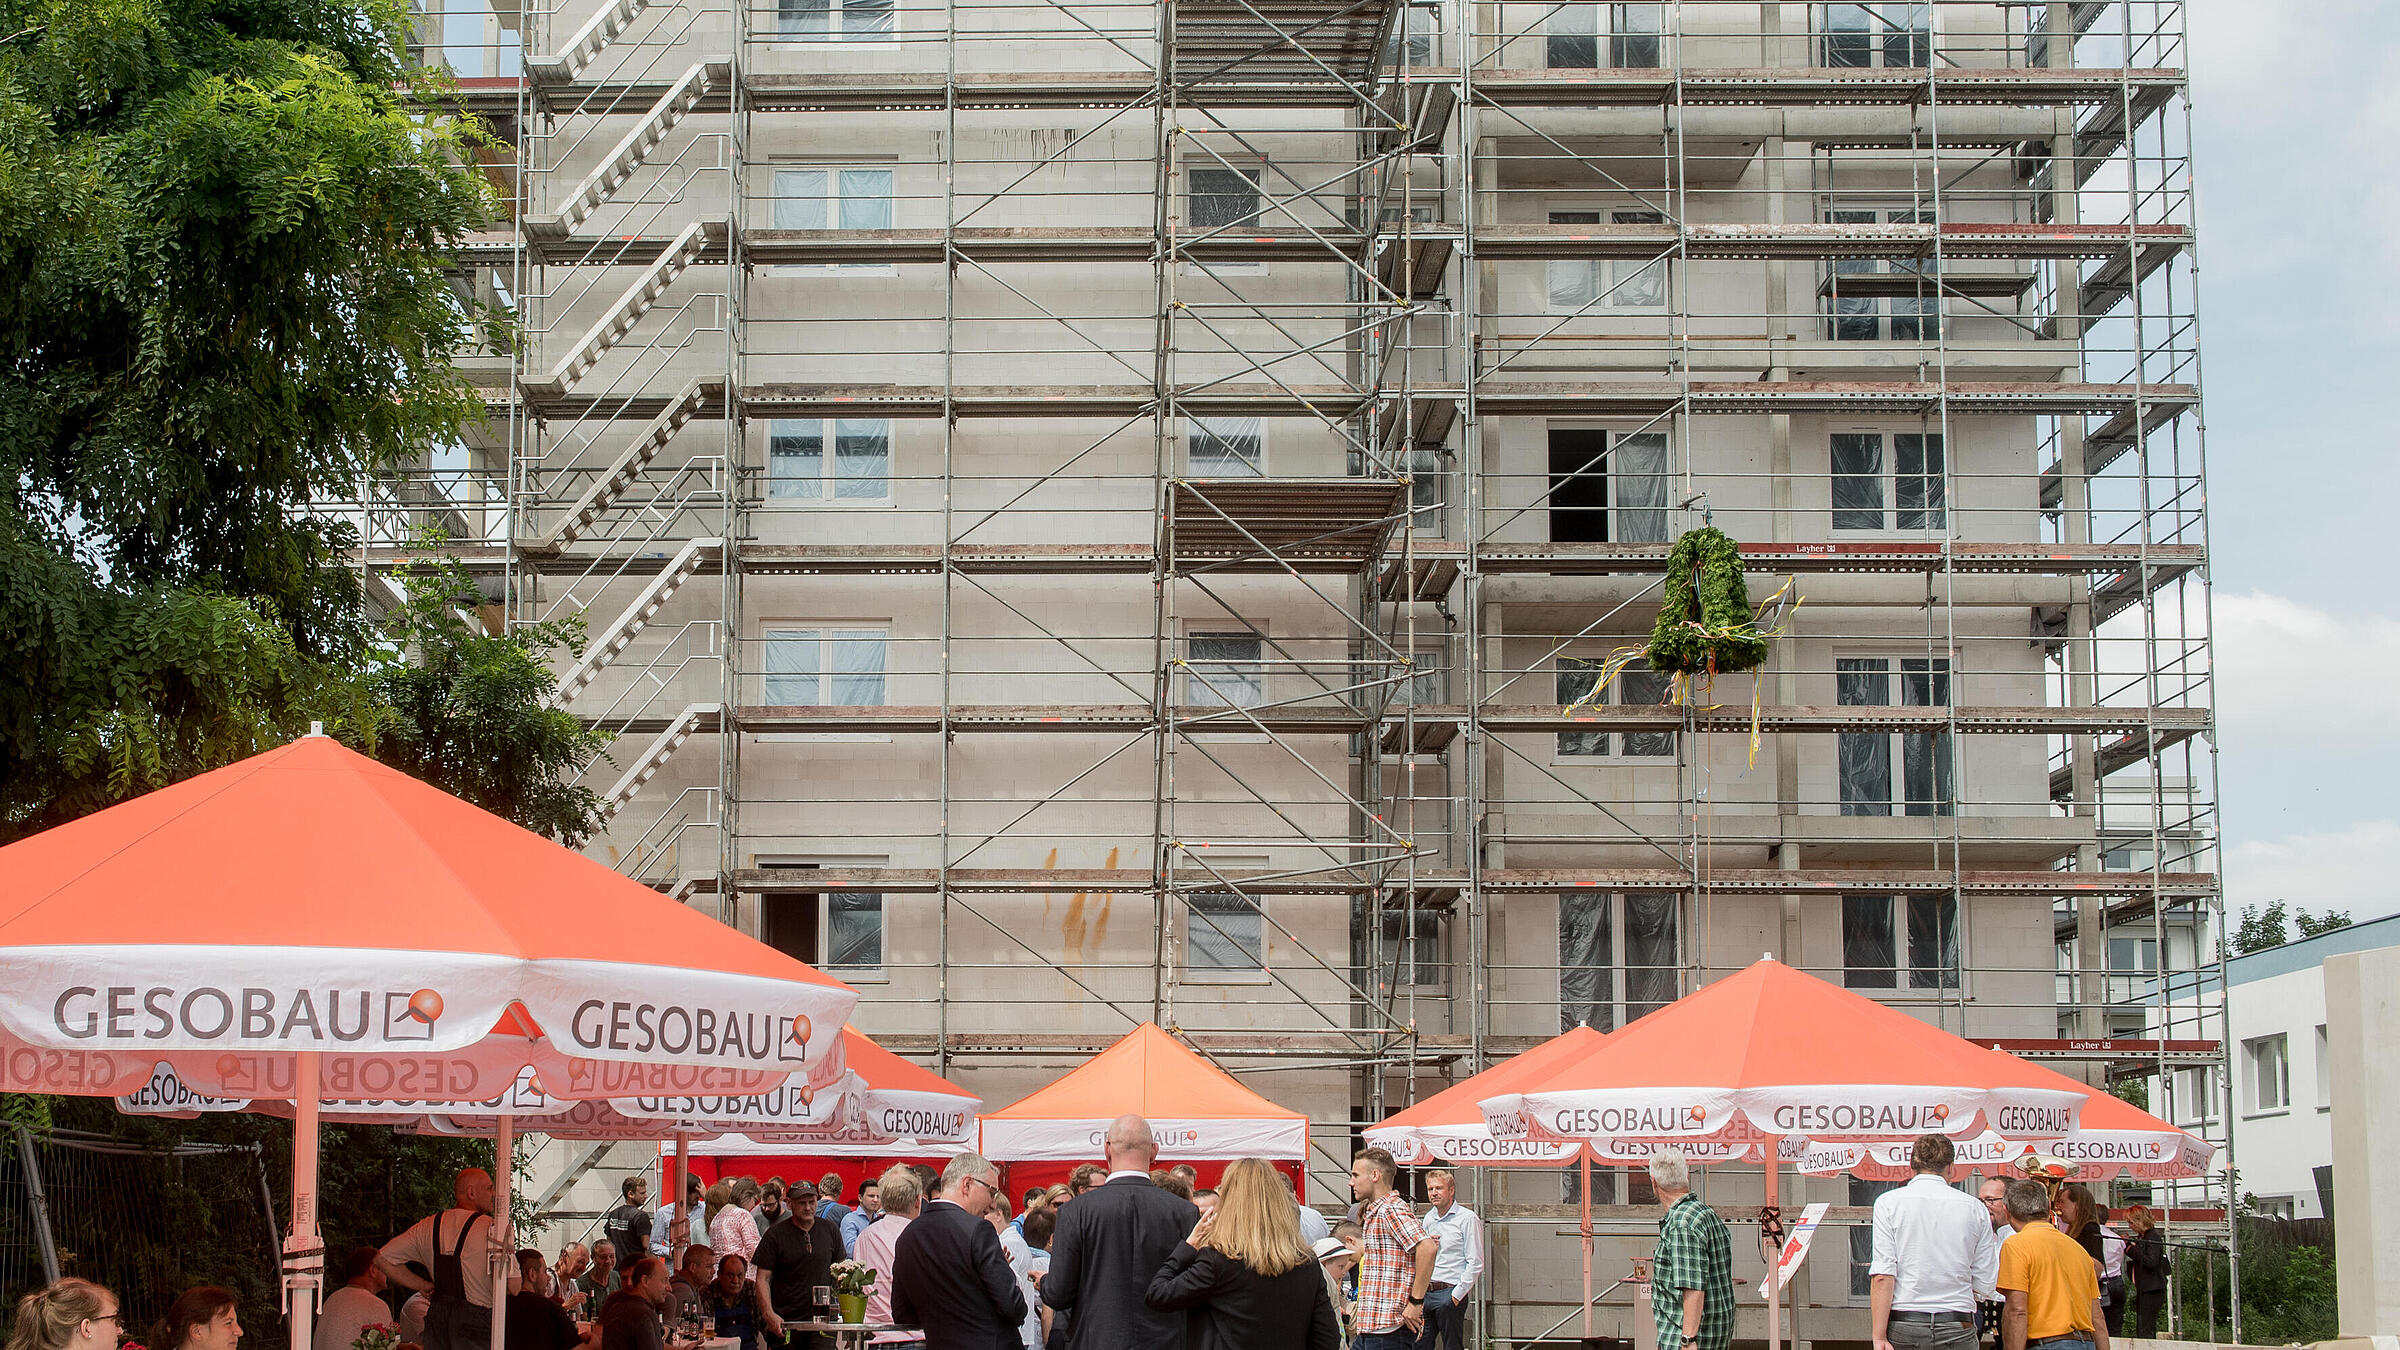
(247, 1015)
(673, 1029)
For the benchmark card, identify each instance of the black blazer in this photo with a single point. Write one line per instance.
(950, 1277)
(1236, 1308)
(1110, 1240)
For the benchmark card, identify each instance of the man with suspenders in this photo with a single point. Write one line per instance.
(456, 1246)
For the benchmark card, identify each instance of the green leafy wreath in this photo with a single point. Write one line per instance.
(1705, 624)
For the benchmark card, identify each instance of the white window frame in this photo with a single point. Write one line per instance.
(2267, 1063)
(1618, 998)
(822, 957)
(1905, 913)
(2324, 1067)
(1886, 20)
(1888, 321)
(1614, 477)
(1224, 431)
(837, 28)
(1403, 947)
(830, 202)
(1606, 284)
(1257, 174)
(1195, 973)
(1614, 29)
(1569, 747)
(1939, 675)
(828, 494)
(1200, 691)
(840, 630)
(2196, 1095)
(883, 937)
(1932, 513)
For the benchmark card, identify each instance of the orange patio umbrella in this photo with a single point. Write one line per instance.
(1768, 1060)
(2112, 1137)
(1196, 1110)
(309, 922)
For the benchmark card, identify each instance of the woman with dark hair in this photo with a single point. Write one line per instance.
(70, 1314)
(1249, 1279)
(202, 1318)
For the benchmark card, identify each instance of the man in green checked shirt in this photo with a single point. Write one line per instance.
(1691, 1273)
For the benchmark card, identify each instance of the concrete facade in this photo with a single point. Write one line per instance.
(1019, 621)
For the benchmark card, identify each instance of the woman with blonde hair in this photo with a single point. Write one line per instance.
(730, 1227)
(1249, 1280)
(71, 1314)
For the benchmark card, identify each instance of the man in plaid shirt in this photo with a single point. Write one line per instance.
(1691, 1273)
(1398, 1265)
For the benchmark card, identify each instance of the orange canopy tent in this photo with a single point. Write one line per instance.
(310, 923)
(1195, 1109)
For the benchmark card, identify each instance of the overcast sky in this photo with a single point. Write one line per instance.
(2296, 142)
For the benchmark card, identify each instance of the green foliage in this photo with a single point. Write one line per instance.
(223, 289)
(2288, 1283)
(2314, 925)
(1705, 623)
(467, 710)
(2133, 1090)
(224, 296)
(2259, 930)
(108, 691)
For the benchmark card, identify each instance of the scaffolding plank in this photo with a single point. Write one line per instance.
(1786, 86)
(1719, 881)
(1211, 521)
(1970, 720)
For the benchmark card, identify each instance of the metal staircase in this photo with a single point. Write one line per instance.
(609, 642)
(629, 153)
(627, 469)
(611, 328)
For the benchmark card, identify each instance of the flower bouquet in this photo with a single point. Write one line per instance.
(851, 1281)
(377, 1336)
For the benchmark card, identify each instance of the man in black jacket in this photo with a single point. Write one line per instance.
(949, 1275)
(1110, 1241)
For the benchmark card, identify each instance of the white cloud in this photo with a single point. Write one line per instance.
(2288, 670)
(2348, 869)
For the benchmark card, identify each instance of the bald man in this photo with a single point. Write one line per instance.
(456, 1247)
(1109, 1243)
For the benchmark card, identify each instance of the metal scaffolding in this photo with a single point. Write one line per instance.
(1202, 451)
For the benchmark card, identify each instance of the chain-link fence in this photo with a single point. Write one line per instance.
(146, 1222)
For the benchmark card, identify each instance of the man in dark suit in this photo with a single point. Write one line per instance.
(1110, 1241)
(949, 1275)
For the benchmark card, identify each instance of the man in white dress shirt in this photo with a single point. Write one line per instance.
(1935, 1254)
(1457, 1263)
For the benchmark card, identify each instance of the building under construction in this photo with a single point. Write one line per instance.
(1117, 511)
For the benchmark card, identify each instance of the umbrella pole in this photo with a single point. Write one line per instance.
(683, 1212)
(504, 1248)
(303, 1245)
(1774, 1287)
(1584, 1193)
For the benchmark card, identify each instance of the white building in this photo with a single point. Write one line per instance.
(2282, 1091)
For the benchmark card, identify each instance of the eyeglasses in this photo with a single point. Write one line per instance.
(107, 1317)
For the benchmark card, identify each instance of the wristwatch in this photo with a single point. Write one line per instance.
(1416, 1299)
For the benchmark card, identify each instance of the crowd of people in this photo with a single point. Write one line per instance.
(1128, 1254)
(2027, 1268)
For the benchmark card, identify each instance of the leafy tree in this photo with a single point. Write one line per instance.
(2261, 929)
(467, 710)
(224, 296)
(2315, 925)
